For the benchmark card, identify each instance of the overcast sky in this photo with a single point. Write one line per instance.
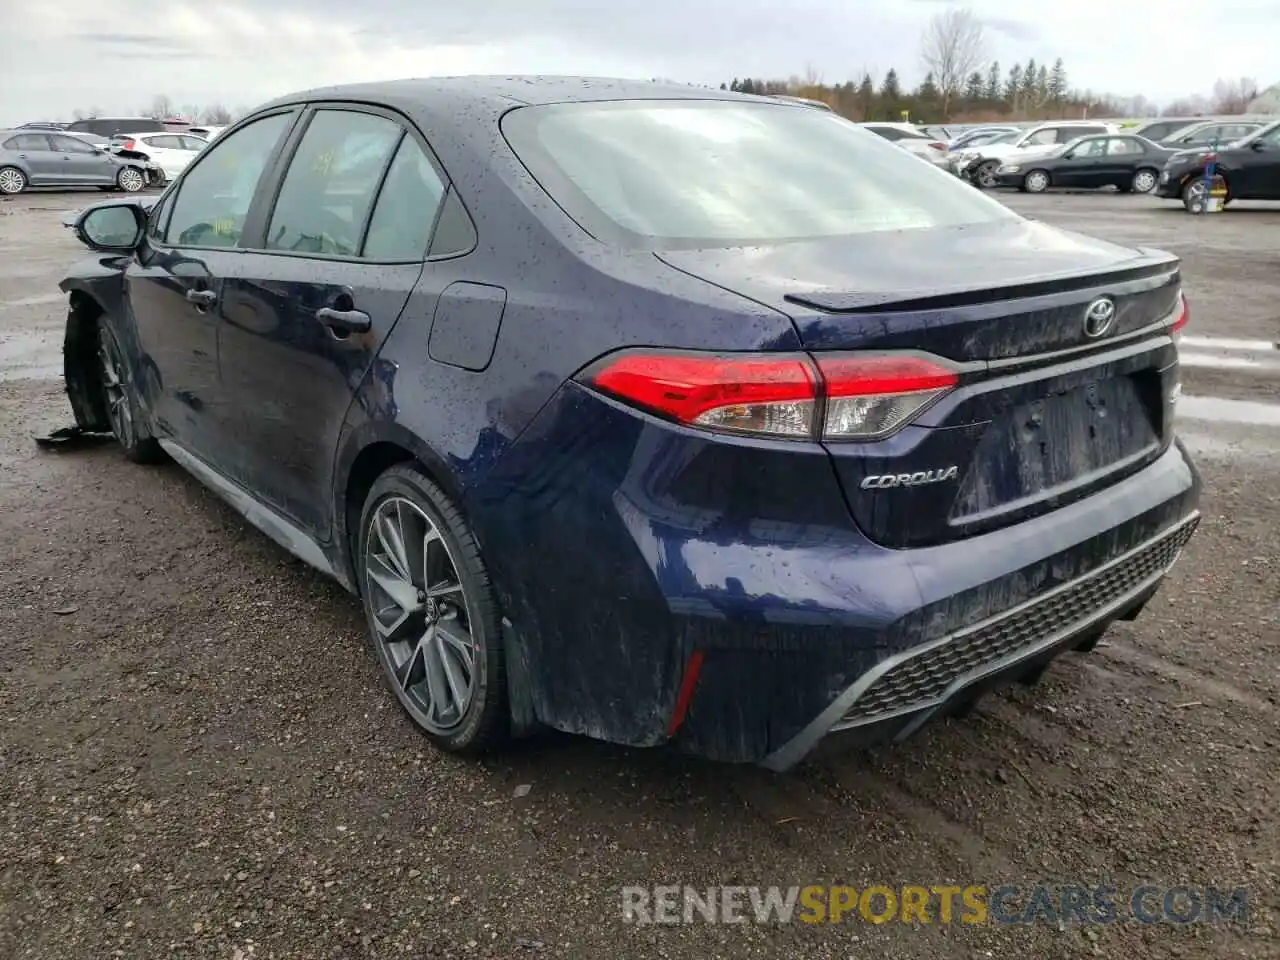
(57, 56)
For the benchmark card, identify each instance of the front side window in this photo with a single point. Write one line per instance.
(719, 173)
(1090, 148)
(406, 208)
(1272, 136)
(192, 143)
(332, 179)
(1042, 138)
(1121, 146)
(217, 189)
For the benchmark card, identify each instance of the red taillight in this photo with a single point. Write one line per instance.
(873, 396)
(867, 397)
(1183, 316)
(938, 146)
(126, 144)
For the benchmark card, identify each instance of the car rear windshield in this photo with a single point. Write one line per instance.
(689, 173)
(110, 126)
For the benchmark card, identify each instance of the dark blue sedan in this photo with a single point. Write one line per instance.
(652, 413)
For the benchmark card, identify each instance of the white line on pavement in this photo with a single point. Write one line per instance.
(1229, 363)
(1218, 410)
(1229, 343)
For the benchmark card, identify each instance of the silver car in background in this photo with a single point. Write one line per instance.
(911, 139)
(47, 158)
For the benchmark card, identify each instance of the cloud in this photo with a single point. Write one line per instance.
(242, 52)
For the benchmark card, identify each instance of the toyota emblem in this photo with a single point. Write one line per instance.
(1099, 317)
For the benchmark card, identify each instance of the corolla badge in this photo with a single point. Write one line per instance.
(1099, 317)
(883, 481)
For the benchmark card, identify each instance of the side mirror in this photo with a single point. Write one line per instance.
(1258, 144)
(112, 228)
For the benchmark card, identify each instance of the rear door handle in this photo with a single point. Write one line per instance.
(355, 321)
(202, 298)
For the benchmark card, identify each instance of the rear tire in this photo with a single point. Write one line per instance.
(432, 613)
(12, 181)
(120, 399)
(1144, 181)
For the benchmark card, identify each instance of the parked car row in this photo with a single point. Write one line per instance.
(126, 153)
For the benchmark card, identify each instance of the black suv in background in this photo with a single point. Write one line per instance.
(110, 126)
(1250, 166)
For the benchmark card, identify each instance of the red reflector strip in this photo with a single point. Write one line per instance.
(684, 387)
(684, 697)
(867, 376)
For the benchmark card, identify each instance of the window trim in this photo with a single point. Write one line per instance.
(264, 179)
(255, 232)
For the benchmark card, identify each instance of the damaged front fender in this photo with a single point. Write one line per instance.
(93, 286)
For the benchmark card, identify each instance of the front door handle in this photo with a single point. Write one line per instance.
(202, 298)
(354, 321)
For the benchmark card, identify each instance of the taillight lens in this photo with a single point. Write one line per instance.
(864, 397)
(125, 144)
(869, 397)
(1181, 318)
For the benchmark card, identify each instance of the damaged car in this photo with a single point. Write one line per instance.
(45, 158)
(624, 410)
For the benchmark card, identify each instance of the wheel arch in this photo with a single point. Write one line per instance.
(367, 453)
(79, 358)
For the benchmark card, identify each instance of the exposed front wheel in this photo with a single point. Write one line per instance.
(1144, 181)
(121, 400)
(1194, 195)
(1037, 181)
(985, 175)
(130, 179)
(432, 614)
(12, 180)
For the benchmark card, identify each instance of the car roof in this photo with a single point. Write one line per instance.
(496, 94)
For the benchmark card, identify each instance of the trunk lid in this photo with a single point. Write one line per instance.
(1044, 414)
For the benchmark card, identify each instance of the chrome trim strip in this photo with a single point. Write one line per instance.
(829, 721)
(282, 531)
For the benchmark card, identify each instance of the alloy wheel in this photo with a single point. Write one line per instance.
(12, 181)
(119, 410)
(987, 174)
(420, 615)
(130, 180)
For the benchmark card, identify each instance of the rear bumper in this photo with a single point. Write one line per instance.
(904, 691)
(624, 550)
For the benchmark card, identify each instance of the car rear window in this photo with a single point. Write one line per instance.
(688, 173)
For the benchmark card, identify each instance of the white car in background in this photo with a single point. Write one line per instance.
(981, 163)
(172, 152)
(912, 139)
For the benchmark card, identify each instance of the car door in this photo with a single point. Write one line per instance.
(1119, 161)
(82, 163)
(1253, 171)
(44, 167)
(1080, 168)
(173, 285)
(341, 248)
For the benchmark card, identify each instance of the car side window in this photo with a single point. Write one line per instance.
(406, 207)
(330, 185)
(1272, 138)
(28, 141)
(1091, 148)
(217, 189)
(71, 145)
(1121, 146)
(192, 143)
(1042, 137)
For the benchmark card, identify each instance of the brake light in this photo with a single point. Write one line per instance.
(126, 144)
(938, 146)
(778, 395)
(872, 396)
(1182, 318)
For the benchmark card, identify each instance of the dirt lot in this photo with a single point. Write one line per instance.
(197, 757)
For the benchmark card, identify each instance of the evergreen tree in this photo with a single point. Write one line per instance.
(1013, 88)
(747, 86)
(866, 96)
(723, 87)
(973, 87)
(890, 89)
(1029, 81)
(1058, 82)
(928, 90)
(994, 76)
(1042, 84)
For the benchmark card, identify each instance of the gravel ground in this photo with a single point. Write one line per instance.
(198, 759)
